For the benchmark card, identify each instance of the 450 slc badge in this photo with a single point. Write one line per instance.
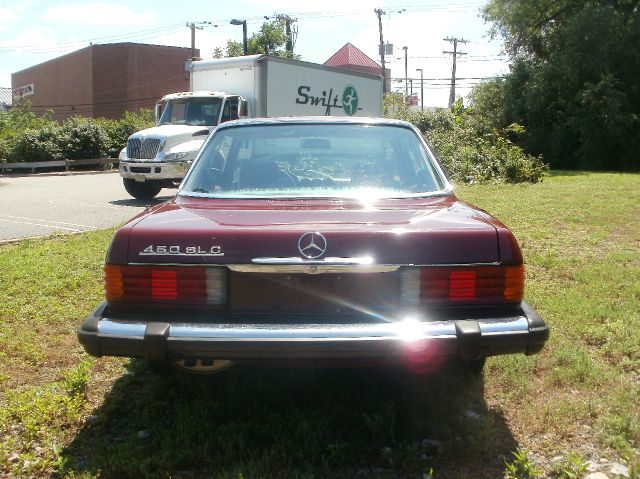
(177, 250)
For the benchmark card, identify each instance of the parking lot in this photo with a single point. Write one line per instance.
(40, 205)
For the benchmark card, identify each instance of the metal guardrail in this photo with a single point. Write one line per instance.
(66, 164)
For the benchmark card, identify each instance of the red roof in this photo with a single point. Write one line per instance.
(350, 55)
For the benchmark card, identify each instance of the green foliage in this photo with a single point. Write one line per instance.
(24, 134)
(82, 137)
(573, 82)
(468, 150)
(36, 145)
(118, 131)
(75, 381)
(20, 117)
(271, 39)
(521, 467)
(25, 137)
(571, 467)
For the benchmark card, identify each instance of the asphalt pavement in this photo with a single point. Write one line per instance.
(40, 205)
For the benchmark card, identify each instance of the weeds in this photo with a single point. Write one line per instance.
(571, 467)
(521, 467)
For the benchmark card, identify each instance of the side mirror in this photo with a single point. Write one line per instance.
(243, 108)
(158, 112)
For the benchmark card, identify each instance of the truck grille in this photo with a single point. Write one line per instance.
(143, 149)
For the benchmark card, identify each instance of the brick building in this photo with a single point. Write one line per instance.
(103, 80)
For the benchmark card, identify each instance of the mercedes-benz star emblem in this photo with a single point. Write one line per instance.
(312, 245)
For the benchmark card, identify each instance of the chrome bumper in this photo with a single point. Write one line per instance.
(157, 170)
(466, 338)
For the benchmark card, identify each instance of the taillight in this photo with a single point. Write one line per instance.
(189, 285)
(463, 285)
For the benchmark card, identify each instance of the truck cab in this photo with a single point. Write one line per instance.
(158, 157)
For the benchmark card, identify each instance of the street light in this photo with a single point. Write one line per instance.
(406, 81)
(421, 88)
(235, 21)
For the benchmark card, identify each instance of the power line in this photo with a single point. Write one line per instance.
(81, 43)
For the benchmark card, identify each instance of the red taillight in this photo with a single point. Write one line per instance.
(471, 284)
(191, 285)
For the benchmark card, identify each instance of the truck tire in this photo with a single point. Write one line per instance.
(142, 190)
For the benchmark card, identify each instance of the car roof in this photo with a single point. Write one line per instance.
(308, 120)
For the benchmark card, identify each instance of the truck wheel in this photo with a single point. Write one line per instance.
(142, 190)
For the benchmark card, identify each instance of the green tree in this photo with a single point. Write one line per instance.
(574, 80)
(218, 52)
(271, 39)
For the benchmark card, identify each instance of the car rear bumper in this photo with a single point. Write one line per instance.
(103, 335)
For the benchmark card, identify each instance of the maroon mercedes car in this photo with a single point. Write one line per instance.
(314, 241)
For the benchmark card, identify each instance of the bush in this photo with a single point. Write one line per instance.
(25, 137)
(37, 145)
(118, 131)
(82, 138)
(469, 154)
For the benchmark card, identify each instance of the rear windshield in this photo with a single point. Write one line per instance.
(313, 160)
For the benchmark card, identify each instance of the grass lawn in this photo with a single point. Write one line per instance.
(69, 415)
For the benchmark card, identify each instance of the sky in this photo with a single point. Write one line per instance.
(32, 32)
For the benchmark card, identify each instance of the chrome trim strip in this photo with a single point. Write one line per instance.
(399, 330)
(312, 268)
(128, 329)
(333, 261)
(298, 265)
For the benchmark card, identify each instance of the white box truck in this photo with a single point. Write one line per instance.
(231, 88)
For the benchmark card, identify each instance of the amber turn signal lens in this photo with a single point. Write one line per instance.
(113, 284)
(163, 284)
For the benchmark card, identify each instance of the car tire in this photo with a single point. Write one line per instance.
(202, 366)
(145, 190)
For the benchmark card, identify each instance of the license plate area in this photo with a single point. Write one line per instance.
(332, 293)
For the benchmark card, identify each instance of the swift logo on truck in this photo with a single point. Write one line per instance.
(349, 99)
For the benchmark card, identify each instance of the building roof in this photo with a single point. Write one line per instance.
(6, 96)
(350, 55)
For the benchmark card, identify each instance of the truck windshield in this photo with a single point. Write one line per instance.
(314, 160)
(191, 111)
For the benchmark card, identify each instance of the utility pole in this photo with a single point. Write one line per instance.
(193, 26)
(406, 81)
(455, 53)
(421, 88)
(379, 12)
(288, 30)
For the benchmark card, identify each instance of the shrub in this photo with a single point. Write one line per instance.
(20, 121)
(118, 131)
(82, 138)
(469, 154)
(37, 145)
(25, 137)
